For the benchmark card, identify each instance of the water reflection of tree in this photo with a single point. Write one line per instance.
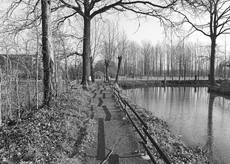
(182, 102)
(171, 106)
(146, 98)
(209, 143)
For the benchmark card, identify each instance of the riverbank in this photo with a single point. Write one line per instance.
(172, 145)
(223, 88)
(127, 84)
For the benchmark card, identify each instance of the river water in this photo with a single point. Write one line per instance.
(200, 118)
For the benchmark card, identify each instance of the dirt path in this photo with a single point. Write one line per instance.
(115, 140)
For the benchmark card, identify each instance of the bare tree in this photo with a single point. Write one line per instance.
(146, 51)
(64, 52)
(211, 18)
(37, 57)
(89, 9)
(110, 46)
(46, 49)
(96, 40)
(118, 69)
(131, 59)
(122, 51)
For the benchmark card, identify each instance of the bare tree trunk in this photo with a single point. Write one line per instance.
(185, 70)
(86, 53)
(9, 91)
(161, 65)
(56, 78)
(37, 59)
(17, 92)
(106, 71)
(168, 61)
(171, 53)
(92, 69)
(180, 67)
(118, 68)
(28, 88)
(66, 71)
(76, 70)
(212, 61)
(46, 50)
(157, 64)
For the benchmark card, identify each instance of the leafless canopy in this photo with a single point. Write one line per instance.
(17, 21)
(210, 17)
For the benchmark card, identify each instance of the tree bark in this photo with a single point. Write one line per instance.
(46, 50)
(212, 61)
(37, 58)
(66, 71)
(106, 71)
(118, 68)
(92, 69)
(180, 67)
(86, 52)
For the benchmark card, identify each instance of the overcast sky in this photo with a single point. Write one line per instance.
(150, 29)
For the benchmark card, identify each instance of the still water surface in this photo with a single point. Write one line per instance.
(202, 119)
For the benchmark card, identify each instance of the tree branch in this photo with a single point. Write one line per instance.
(74, 53)
(186, 19)
(105, 8)
(92, 4)
(78, 9)
(149, 13)
(150, 4)
(63, 19)
(223, 13)
(111, 151)
(13, 6)
(133, 3)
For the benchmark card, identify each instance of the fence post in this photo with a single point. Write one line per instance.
(145, 156)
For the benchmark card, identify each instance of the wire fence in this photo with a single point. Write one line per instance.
(21, 88)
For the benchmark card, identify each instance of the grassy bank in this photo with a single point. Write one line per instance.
(57, 134)
(223, 88)
(152, 83)
(139, 83)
